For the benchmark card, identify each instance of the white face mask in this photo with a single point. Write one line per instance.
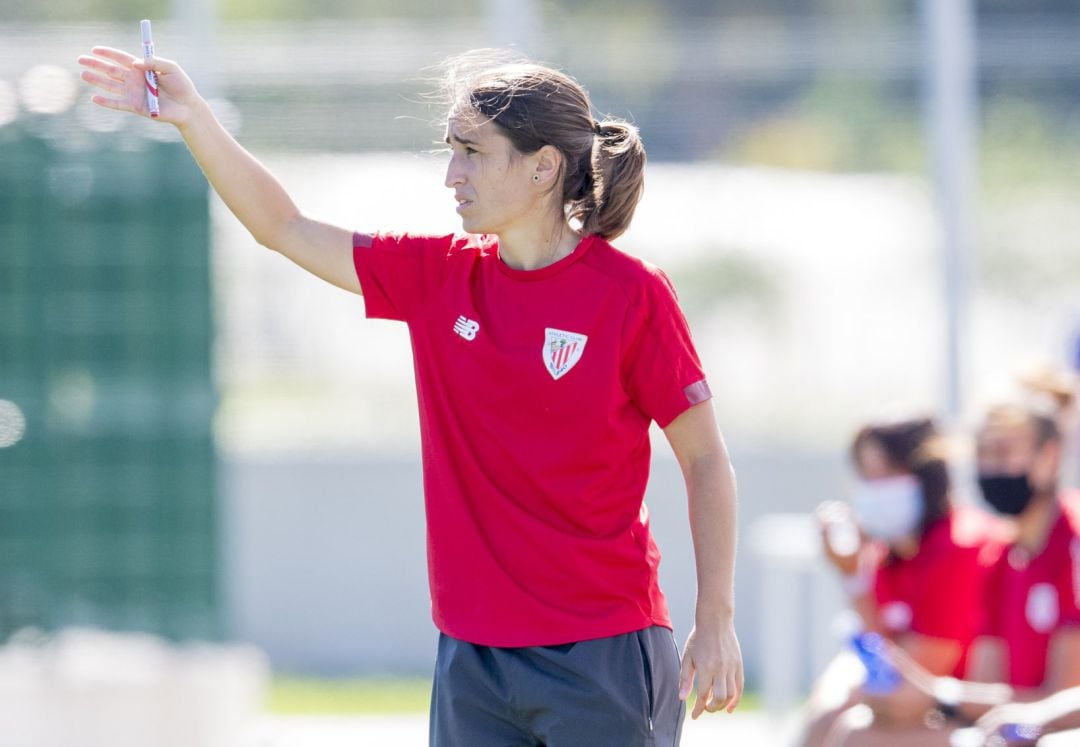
(888, 508)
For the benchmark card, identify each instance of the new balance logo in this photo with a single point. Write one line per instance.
(467, 328)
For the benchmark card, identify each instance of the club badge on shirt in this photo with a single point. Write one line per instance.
(562, 351)
(1042, 609)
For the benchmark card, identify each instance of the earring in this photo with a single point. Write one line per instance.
(536, 178)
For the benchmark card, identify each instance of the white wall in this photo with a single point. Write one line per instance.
(325, 559)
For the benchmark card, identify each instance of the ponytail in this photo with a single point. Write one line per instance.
(618, 180)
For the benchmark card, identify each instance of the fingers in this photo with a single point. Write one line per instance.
(118, 56)
(158, 65)
(686, 677)
(735, 690)
(117, 104)
(108, 78)
(105, 68)
(724, 693)
(704, 697)
(104, 82)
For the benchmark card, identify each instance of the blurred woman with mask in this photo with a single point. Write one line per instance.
(1024, 671)
(1032, 636)
(915, 568)
(1057, 388)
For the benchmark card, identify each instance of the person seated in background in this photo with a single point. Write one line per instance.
(1058, 388)
(915, 569)
(1030, 643)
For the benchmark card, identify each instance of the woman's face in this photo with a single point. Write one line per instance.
(492, 182)
(1006, 448)
(1011, 447)
(888, 502)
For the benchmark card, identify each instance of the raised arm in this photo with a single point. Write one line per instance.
(251, 192)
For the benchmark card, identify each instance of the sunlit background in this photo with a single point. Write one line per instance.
(199, 442)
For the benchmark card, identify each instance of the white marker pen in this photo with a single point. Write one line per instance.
(151, 76)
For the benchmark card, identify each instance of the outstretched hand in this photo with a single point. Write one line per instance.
(122, 76)
(712, 655)
(841, 540)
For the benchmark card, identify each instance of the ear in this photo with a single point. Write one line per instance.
(548, 165)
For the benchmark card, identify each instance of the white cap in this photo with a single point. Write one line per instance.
(145, 26)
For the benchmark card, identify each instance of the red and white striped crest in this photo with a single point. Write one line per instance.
(562, 350)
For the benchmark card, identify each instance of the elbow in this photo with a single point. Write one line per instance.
(709, 467)
(265, 240)
(269, 241)
(274, 235)
(269, 238)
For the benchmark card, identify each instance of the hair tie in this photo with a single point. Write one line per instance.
(596, 127)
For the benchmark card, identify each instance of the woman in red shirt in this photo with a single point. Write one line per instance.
(542, 355)
(915, 572)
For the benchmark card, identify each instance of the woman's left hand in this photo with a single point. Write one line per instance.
(1027, 719)
(712, 655)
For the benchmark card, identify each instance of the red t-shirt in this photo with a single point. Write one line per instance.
(1032, 597)
(536, 390)
(939, 592)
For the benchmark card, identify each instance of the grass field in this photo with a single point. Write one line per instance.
(368, 695)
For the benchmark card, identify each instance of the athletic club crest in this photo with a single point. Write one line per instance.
(562, 350)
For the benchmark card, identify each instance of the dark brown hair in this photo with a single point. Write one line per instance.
(915, 446)
(603, 163)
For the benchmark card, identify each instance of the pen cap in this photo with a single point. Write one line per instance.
(145, 26)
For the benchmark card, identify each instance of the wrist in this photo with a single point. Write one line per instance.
(198, 113)
(714, 614)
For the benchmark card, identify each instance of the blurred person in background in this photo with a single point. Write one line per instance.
(914, 566)
(1059, 387)
(542, 356)
(1029, 646)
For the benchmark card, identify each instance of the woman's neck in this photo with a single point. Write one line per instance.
(906, 547)
(534, 247)
(1033, 526)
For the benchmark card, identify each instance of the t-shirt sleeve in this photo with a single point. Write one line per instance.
(399, 272)
(661, 371)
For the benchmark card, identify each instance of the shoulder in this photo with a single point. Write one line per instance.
(971, 526)
(434, 246)
(641, 281)
(978, 530)
(965, 531)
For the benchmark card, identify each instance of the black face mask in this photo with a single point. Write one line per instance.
(1008, 494)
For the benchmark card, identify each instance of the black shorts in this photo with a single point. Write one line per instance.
(621, 691)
